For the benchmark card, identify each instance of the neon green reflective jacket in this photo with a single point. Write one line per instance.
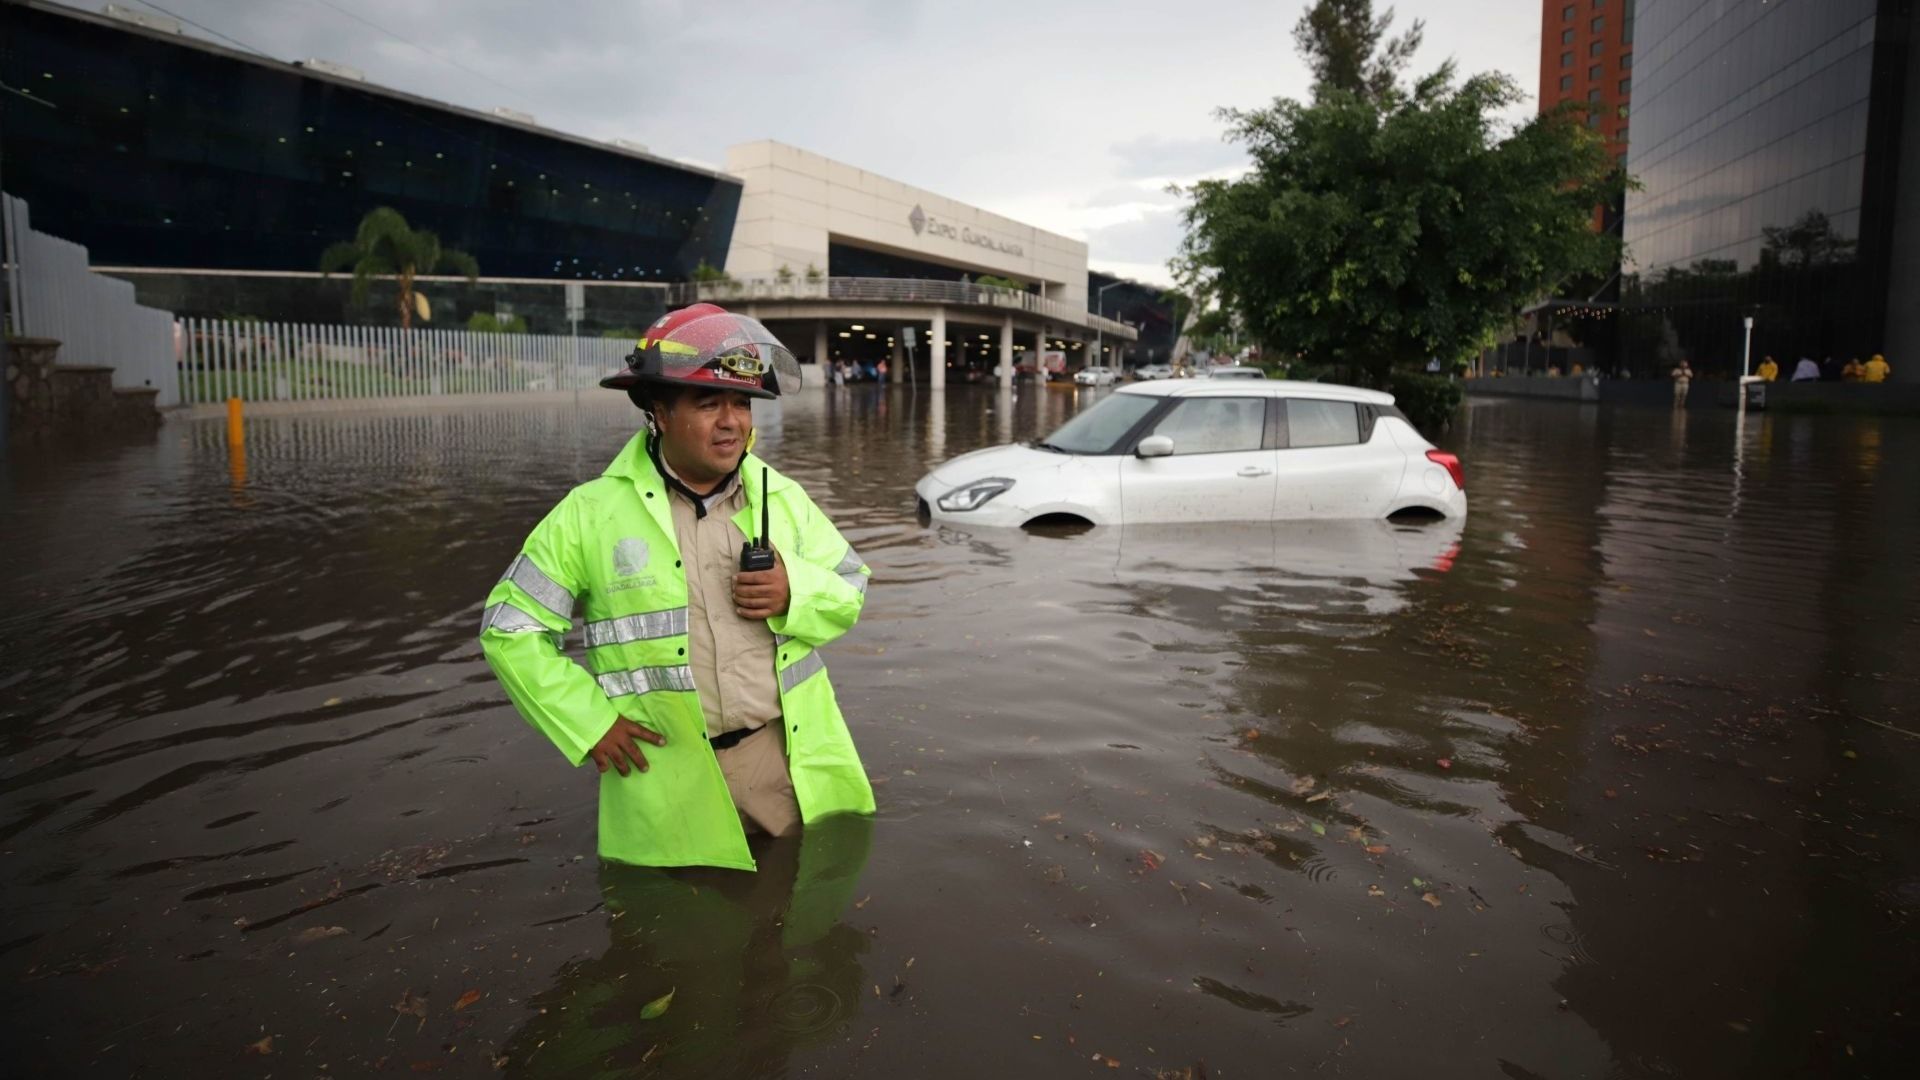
(610, 548)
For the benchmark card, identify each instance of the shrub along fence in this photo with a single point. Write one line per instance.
(264, 361)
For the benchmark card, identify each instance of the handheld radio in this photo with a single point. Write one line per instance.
(758, 555)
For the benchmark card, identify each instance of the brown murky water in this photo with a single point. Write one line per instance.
(1618, 779)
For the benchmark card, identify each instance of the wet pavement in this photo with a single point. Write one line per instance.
(1618, 778)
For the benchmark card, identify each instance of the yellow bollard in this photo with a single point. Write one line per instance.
(236, 423)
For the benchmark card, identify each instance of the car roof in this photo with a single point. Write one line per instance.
(1260, 387)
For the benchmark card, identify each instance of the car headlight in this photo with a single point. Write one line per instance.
(975, 495)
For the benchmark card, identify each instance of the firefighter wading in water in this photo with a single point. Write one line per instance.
(707, 707)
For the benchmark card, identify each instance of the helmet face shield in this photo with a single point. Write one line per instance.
(707, 346)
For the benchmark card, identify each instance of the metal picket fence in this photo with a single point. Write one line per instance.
(268, 361)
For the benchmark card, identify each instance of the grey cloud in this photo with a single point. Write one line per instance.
(1150, 238)
(1151, 157)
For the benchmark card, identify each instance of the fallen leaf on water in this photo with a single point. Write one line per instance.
(317, 933)
(1151, 860)
(1445, 763)
(410, 1005)
(1419, 884)
(332, 701)
(1357, 834)
(1848, 754)
(1303, 785)
(466, 999)
(1430, 899)
(655, 1009)
(1320, 797)
(1375, 890)
(263, 1047)
(1343, 1021)
(1250, 734)
(1376, 849)
(1611, 794)
(1319, 829)
(1055, 816)
(862, 902)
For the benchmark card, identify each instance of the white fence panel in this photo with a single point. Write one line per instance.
(223, 358)
(94, 317)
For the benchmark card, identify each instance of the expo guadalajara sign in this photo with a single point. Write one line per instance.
(926, 224)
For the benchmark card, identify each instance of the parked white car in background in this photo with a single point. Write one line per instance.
(1208, 450)
(1096, 376)
(1237, 373)
(1150, 372)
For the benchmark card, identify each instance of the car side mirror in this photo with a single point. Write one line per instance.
(1154, 446)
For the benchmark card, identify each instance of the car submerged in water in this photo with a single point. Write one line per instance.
(1207, 450)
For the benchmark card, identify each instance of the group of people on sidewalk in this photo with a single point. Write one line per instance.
(1875, 370)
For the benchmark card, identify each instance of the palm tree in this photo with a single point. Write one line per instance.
(384, 246)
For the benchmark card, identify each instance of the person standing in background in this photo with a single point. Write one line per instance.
(1682, 378)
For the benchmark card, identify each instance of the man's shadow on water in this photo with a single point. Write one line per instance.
(759, 965)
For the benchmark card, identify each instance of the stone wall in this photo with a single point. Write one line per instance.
(30, 407)
(48, 398)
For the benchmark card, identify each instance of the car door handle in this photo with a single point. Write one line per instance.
(1254, 471)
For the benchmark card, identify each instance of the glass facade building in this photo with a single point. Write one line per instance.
(1767, 142)
(158, 150)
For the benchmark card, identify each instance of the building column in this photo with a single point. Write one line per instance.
(1040, 355)
(896, 353)
(1006, 352)
(820, 343)
(937, 350)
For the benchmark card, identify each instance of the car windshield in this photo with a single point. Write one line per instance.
(1096, 430)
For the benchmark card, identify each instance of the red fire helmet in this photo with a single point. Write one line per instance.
(709, 347)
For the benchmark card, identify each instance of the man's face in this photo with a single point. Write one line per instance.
(704, 432)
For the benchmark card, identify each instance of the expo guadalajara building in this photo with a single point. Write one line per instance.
(249, 167)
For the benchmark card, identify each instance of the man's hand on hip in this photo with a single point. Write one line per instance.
(762, 594)
(620, 746)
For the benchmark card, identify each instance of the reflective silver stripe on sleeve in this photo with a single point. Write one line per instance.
(547, 592)
(646, 680)
(645, 627)
(806, 668)
(781, 639)
(849, 571)
(509, 620)
(852, 562)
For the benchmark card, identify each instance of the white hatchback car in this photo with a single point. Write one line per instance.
(1096, 376)
(1191, 451)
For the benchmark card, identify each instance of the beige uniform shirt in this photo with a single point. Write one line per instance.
(732, 658)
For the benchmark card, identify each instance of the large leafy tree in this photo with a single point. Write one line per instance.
(1383, 224)
(1347, 47)
(385, 246)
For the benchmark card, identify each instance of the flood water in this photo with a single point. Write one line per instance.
(1618, 778)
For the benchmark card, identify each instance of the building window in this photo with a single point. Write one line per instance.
(1566, 59)
(1566, 37)
(1594, 73)
(1566, 14)
(1566, 82)
(1593, 94)
(1626, 87)
(1593, 120)
(1598, 4)
(1594, 49)
(1598, 24)
(1621, 112)
(1626, 61)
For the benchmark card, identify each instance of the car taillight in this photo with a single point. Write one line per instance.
(1452, 464)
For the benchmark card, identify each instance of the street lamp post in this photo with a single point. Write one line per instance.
(1100, 309)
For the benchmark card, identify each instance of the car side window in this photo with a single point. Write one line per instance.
(1322, 423)
(1214, 425)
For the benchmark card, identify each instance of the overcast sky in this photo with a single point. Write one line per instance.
(1072, 115)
